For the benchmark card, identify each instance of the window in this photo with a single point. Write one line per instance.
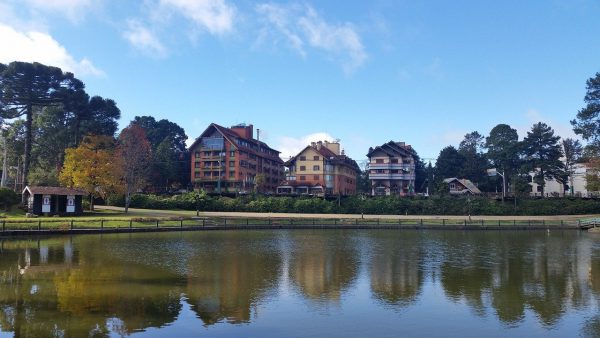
(231, 164)
(394, 171)
(316, 167)
(197, 154)
(316, 177)
(231, 174)
(452, 186)
(207, 174)
(206, 153)
(232, 153)
(328, 178)
(316, 158)
(196, 174)
(302, 158)
(302, 178)
(394, 160)
(379, 160)
(196, 164)
(302, 168)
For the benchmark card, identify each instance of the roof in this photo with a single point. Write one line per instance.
(54, 191)
(230, 136)
(327, 154)
(470, 187)
(393, 149)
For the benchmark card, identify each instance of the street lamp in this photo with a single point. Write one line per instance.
(494, 172)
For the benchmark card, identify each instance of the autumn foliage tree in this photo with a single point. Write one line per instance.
(135, 157)
(92, 166)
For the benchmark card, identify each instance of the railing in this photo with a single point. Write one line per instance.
(388, 176)
(31, 227)
(390, 166)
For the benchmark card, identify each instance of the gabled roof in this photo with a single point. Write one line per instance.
(231, 136)
(327, 154)
(53, 191)
(393, 149)
(470, 187)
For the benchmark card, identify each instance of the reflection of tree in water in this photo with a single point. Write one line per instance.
(519, 272)
(323, 266)
(396, 267)
(57, 295)
(230, 274)
(591, 327)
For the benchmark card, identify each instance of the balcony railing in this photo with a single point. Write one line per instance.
(390, 166)
(391, 176)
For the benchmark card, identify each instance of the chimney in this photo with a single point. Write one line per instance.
(257, 134)
(313, 144)
(333, 146)
(319, 145)
(244, 131)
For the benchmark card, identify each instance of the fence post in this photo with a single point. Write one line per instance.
(203, 224)
(335, 221)
(378, 221)
(562, 223)
(130, 224)
(498, 222)
(443, 221)
(71, 224)
(514, 222)
(481, 222)
(40, 225)
(465, 222)
(157, 223)
(529, 222)
(421, 222)
(101, 224)
(3, 226)
(181, 223)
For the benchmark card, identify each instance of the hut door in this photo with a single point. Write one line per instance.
(70, 203)
(46, 203)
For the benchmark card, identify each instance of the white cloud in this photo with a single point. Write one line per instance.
(72, 9)
(302, 26)
(290, 146)
(532, 116)
(144, 39)
(215, 16)
(35, 46)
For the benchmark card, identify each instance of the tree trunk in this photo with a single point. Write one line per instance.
(91, 202)
(4, 163)
(127, 200)
(28, 137)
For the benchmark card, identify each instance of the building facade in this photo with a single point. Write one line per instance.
(392, 169)
(320, 169)
(575, 183)
(231, 160)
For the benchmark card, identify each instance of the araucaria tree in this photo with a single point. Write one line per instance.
(92, 167)
(542, 152)
(135, 156)
(25, 88)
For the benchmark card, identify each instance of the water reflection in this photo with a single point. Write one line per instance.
(123, 284)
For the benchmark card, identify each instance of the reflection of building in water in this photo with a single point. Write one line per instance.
(322, 268)
(230, 280)
(396, 272)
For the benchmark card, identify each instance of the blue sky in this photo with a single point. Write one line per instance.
(364, 72)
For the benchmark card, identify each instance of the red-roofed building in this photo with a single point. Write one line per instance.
(320, 169)
(231, 159)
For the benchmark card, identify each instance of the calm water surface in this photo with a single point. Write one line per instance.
(303, 283)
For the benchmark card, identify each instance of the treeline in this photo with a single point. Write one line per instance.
(541, 152)
(390, 205)
(54, 132)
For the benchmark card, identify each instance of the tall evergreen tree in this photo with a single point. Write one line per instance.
(503, 152)
(475, 162)
(587, 121)
(24, 89)
(542, 152)
(572, 151)
(448, 164)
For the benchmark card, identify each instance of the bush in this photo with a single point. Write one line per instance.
(8, 198)
(384, 205)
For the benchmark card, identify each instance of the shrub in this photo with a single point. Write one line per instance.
(8, 198)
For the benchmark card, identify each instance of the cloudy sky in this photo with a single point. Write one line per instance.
(364, 72)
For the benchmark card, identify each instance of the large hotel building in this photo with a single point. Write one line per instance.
(232, 160)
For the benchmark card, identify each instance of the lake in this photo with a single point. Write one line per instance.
(302, 283)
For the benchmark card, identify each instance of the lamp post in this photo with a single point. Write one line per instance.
(494, 172)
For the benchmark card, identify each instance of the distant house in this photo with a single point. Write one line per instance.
(54, 200)
(230, 159)
(576, 183)
(461, 186)
(321, 168)
(392, 169)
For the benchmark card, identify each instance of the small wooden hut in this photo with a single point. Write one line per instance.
(53, 200)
